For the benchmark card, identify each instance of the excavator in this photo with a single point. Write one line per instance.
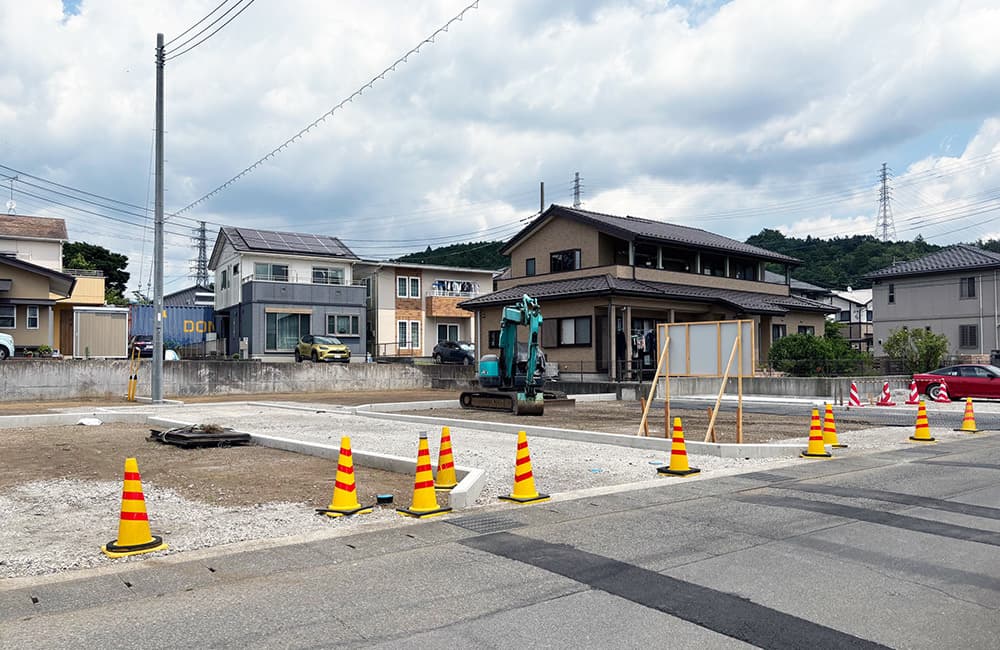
(513, 379)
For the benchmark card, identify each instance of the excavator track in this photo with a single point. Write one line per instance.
(499, 401)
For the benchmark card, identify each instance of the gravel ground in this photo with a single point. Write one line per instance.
(55, 525)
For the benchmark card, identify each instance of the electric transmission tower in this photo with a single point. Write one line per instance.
(884, 226)
(576, 190)
(199, 266)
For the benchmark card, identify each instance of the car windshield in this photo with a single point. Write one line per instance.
(993, 370)
(326, 340)
(466, 346)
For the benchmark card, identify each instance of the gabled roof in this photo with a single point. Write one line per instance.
(856, 296)
(635, 228)
(796, 285)
(954, 258)
(59, 283)
(247, 240)
(748, 302)
(17, 227)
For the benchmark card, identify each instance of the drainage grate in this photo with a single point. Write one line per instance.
(486, 523)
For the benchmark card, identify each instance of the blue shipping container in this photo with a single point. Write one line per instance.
(181, 325)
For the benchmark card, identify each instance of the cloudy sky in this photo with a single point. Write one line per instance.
(729, 116)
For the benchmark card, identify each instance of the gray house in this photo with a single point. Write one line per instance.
(273, 287)
(951, 292)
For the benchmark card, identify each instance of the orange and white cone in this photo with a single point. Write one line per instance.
(942, 395)
(678, 455)
(914, 397)
(524, 480)
(134, 536)
(446, 478)
(830, 429)
(969, 418)
(886, 398)
(424, 502)
(922, 431)
(345, 494)
(815, 448)
(854, 399)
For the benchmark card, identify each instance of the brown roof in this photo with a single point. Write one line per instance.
(15, 226)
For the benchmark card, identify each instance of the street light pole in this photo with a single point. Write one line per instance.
(157, 377)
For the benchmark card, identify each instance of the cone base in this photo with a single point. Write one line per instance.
(909, 403)
(915, 439)
(969, 430)
(422, 514)
(114, 550)
(444, 487)
(839, 446)
(825, 454)
(534, 499)
(345, 512)
(885, 404)
(677, 472)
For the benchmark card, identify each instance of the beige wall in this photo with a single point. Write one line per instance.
(42, 253)
(101, 334)
(556, 235)
(86, 291)
(30, 337)
(792, 321)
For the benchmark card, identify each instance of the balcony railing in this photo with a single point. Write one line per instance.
(84, 273)
(295, 278)
(452, 294)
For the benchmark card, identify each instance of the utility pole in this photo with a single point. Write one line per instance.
(541, 197)
(884, 226)
(157, 383)
(576, 191)
(201, 263)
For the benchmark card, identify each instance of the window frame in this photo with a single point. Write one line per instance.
(408, 287)
(268, 315)
(809, 330)
(27, 317)
(447, 327)
(328, 271)
(224, 280)
(575, 343)
(270, 275)
(530, 267)
(493, 339)
(13, 317)
(555, 255)
(354, 324)
(892, 293)
(964, 332)
(411, 328)
(781, 329)
(967, 288)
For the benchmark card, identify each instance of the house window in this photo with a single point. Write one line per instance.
(367, 282)
(493, 339)
(529, 266)
(407, 287)
(447, 332)
(807, 329)
(408, 334)
(868, 315)
(574, 331)
(713, 265)
(282, 330)
(967, 288)
(8, 317)
(327, 275)
(32, 311)
(414, 287)
(892, 294)
(270, 272)
(845, 315)
(568, 260)
(343, 325)
(968, 336)
(743, 269)
(778, 332)
(236, 272)
(646, 255)
(224, 283)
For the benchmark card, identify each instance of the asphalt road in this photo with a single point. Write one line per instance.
(896, 549)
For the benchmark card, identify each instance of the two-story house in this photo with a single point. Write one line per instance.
(604, 282)
(952, 292)
(412, 307)
(855, 316)
(273, 287)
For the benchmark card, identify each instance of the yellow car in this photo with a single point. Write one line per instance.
(322, 348)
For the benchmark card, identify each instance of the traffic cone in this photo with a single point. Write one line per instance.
(943, 393)
(134, 536)
(424, 502)
(678, 455)
(886, 398)
(854, 399)
(524, 480)
(830, 429)
(922, 432)
(446, 478)
(815, 448)
(969, 419)
(345, 495)
(914, 397)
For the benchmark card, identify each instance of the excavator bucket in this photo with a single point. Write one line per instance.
(525, 405)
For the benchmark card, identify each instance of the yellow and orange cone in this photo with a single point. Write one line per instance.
(815, 448)
(969, 418)
(922, 431)
(345, 495)
(830, 429)
(424, 502)
(524, 479)
(678, 455)
(446, 478)
(134, 536)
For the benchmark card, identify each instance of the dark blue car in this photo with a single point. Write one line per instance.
(461, 352)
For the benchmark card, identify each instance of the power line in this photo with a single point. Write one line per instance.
(357, 93)
(217, 29)
(203, 19)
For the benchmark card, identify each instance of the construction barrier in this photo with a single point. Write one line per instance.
(524, 480)
(922, 431)
(134, 536)
(886, 398)
(830, 429)
(678, 455)
(446, 478)
(914, 397)
(815, 448)
(854, 399)
(968, 418)
(424, 502)
(345, 495)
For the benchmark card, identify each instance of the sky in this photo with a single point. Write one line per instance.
(728, 116)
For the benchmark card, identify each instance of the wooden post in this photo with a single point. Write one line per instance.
(652, 388)
(645, 425)
(739, 383)
(722, 388)
(711, 428)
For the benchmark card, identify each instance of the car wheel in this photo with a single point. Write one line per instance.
(298, 357)
(933, 391)
(3, 353)
(437, 358)
(315, 357)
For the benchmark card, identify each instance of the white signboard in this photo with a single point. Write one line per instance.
(702, 349)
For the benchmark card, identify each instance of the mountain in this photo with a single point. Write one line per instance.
(471, 255)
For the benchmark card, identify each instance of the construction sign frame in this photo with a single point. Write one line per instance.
(704, 349)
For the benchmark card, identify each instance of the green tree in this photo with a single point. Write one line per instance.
(801, 354)
(77, 255)
(917, 350)
(472, 255)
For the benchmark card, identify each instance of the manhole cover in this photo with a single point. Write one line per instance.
(486, 523)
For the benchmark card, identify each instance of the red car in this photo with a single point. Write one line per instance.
(963, 380)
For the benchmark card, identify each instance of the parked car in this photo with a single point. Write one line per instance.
(322, 348)
(963, 380)
(6, 346)
(461, 352)
(143, 343)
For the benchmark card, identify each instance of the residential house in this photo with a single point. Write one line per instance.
(273, 287)
(799, 287)
(195, 296)
(38, 296)
(604, 282)
(952, 292)
(855, 316)
(413, 306)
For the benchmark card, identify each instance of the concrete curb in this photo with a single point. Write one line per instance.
(60, 419)
(464, 495)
